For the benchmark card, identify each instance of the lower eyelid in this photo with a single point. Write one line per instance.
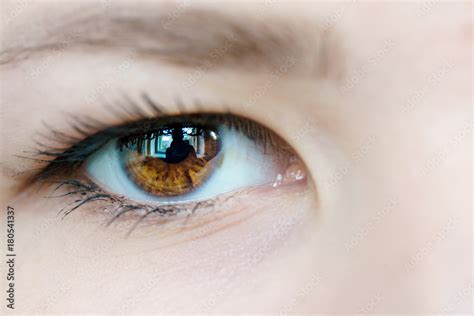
(196, 220)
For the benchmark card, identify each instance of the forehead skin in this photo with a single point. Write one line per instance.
(386, 142)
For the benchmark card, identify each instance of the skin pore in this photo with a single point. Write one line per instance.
(374, 98)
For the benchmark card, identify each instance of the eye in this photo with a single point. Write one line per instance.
(161, 165)
(191, 161)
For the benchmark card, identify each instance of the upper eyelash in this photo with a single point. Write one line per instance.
(93, 134)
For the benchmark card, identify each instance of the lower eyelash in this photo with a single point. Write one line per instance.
(84, 193)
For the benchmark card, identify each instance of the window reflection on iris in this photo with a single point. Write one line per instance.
(171, 161)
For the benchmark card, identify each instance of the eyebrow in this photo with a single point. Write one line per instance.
(194, 37)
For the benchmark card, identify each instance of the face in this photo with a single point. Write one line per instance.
(247, 157)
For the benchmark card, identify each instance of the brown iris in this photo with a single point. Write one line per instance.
(171, 161)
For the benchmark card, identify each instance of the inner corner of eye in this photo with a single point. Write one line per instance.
(187, 162)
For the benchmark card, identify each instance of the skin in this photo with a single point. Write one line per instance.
(383, 224)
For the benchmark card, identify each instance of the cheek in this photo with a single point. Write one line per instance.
(196, 264)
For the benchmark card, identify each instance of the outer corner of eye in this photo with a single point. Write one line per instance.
(189, 162)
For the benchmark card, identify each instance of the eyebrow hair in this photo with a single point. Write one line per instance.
(195, 37)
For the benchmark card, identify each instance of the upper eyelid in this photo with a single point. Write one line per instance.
(92, 136)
